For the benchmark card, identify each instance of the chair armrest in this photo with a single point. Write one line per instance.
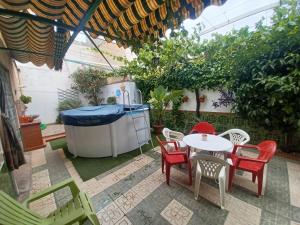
(66, 183)
(244, 146)
(243, 158)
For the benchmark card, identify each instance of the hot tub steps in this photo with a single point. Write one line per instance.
(135, 117)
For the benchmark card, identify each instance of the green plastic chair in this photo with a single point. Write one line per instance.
(76, 211)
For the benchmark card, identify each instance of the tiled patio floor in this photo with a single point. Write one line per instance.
(136, 193)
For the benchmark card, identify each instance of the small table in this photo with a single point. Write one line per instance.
(212, 144)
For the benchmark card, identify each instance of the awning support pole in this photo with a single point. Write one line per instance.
(81, 25)
(92, 41)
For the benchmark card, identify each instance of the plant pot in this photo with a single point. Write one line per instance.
(25, 119)
(185, 99)
(158, 128)
(202, 98)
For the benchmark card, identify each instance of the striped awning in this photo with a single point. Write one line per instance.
(128, 22)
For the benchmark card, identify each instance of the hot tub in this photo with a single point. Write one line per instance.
(106, 130)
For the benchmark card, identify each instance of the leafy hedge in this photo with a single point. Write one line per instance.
(259, 69)
(224, 122)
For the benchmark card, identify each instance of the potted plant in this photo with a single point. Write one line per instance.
(25, 99)
(23, 118)
(112, 100)
(202, 98)
(160, 100)
(185, 99)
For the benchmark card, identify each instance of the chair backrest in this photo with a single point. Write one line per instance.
(171, 135)
(210, 165)
(237, 136)
(203, 127)
(13, 212)
(267, 150)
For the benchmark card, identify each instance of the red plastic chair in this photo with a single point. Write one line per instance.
(256, 166)
(175, 157)
(204, 128)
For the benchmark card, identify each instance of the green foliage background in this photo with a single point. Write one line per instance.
(260, 67)
(88, 81)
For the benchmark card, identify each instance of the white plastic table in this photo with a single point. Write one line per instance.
(213, 143)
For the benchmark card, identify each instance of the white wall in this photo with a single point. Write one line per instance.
(206, 106)
(111, 90)
(41, 84)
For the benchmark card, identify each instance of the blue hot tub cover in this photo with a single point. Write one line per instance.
(92, 115)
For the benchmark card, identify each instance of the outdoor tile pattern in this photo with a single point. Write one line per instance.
(176, 213)
(136, 193)
(45, 205)
(294, 181)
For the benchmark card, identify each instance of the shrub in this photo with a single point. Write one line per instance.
(88, 81)
(111, 100)
(25, 99)
(65, 105)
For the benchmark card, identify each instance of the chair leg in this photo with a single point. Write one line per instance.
(190, 173)
(162, 164)
(230, 178)
(197, 185)
(260, 178)
(253, 177)
(222, 192)
(264, 179)
(168, 170)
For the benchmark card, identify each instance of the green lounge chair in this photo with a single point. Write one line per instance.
(76, 211)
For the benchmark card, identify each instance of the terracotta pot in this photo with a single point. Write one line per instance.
(158, 128)
(185, 99)
(202, 98)
(25, 119)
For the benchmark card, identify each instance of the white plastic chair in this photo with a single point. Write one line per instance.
(171, 135)
(237, 136)
(213, 168)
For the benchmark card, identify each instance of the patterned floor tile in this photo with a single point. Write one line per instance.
(110, 214)
(294, 223)
(124, 221)
(294, 183)
(45, 205)
(239, 210)
(136, 193)
(38, 158)
(271, 218)
(128, 201)
(101, 200)
(176, 213)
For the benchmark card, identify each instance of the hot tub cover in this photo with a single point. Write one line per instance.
(92, 115)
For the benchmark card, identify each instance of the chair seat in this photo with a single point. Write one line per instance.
(175, 159)
(75, 208)
(247, 165)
